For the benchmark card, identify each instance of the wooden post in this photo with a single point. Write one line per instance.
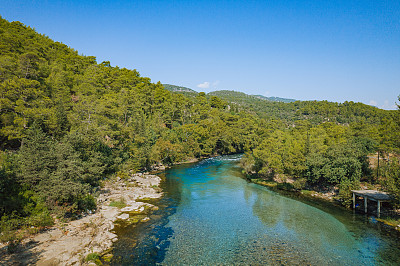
(354, 201)
(365, 204)
(379, 209)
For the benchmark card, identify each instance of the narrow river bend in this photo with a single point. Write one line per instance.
(210, 215)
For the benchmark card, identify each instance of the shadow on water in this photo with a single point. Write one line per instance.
(341, 228)
(146, 243)
(350, 218)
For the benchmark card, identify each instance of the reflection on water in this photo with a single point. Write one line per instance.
(210, 215)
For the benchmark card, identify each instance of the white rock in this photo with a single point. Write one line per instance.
(133, 206)
(123, 216)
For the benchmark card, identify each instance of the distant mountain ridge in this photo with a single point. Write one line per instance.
(290, 110)
(175, 88)
(185, 90)
(228, 93)
(275, 99)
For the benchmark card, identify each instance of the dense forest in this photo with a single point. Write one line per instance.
(67, 123)
(315, 112)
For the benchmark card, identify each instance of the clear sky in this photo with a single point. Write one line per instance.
(306, 50)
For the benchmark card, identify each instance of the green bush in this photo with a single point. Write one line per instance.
(87, 203)
(300, 183)
(8, 231)
(391, 178)
(345, 188)
(94, 257)
(285, 186)
(118, 203)
(41, 219)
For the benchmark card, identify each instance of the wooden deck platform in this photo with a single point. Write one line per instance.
(374, 195)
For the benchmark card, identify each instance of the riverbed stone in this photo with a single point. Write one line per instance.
(134, 206)
(123, 216)
(145, 219)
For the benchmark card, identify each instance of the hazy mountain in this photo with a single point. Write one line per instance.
(275, 99)
(226, 93)
(180, 89)
(240, 95)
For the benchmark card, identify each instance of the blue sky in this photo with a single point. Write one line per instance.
(306, 50)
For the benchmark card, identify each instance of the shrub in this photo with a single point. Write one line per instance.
(95, 257)
(285, 186)
(118, 203)
(87, 203)
(299, 183)
(41, 219)
(345, 188)
(391, 178)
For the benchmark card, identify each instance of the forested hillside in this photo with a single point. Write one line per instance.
(242, 97)
(68, 122)
(314, 111)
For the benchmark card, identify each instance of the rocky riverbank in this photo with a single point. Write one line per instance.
(92, 236)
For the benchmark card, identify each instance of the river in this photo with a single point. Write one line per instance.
(210, 215)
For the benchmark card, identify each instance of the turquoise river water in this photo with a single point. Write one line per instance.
(210, 215)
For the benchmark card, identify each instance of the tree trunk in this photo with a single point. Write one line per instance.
(377, 173)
